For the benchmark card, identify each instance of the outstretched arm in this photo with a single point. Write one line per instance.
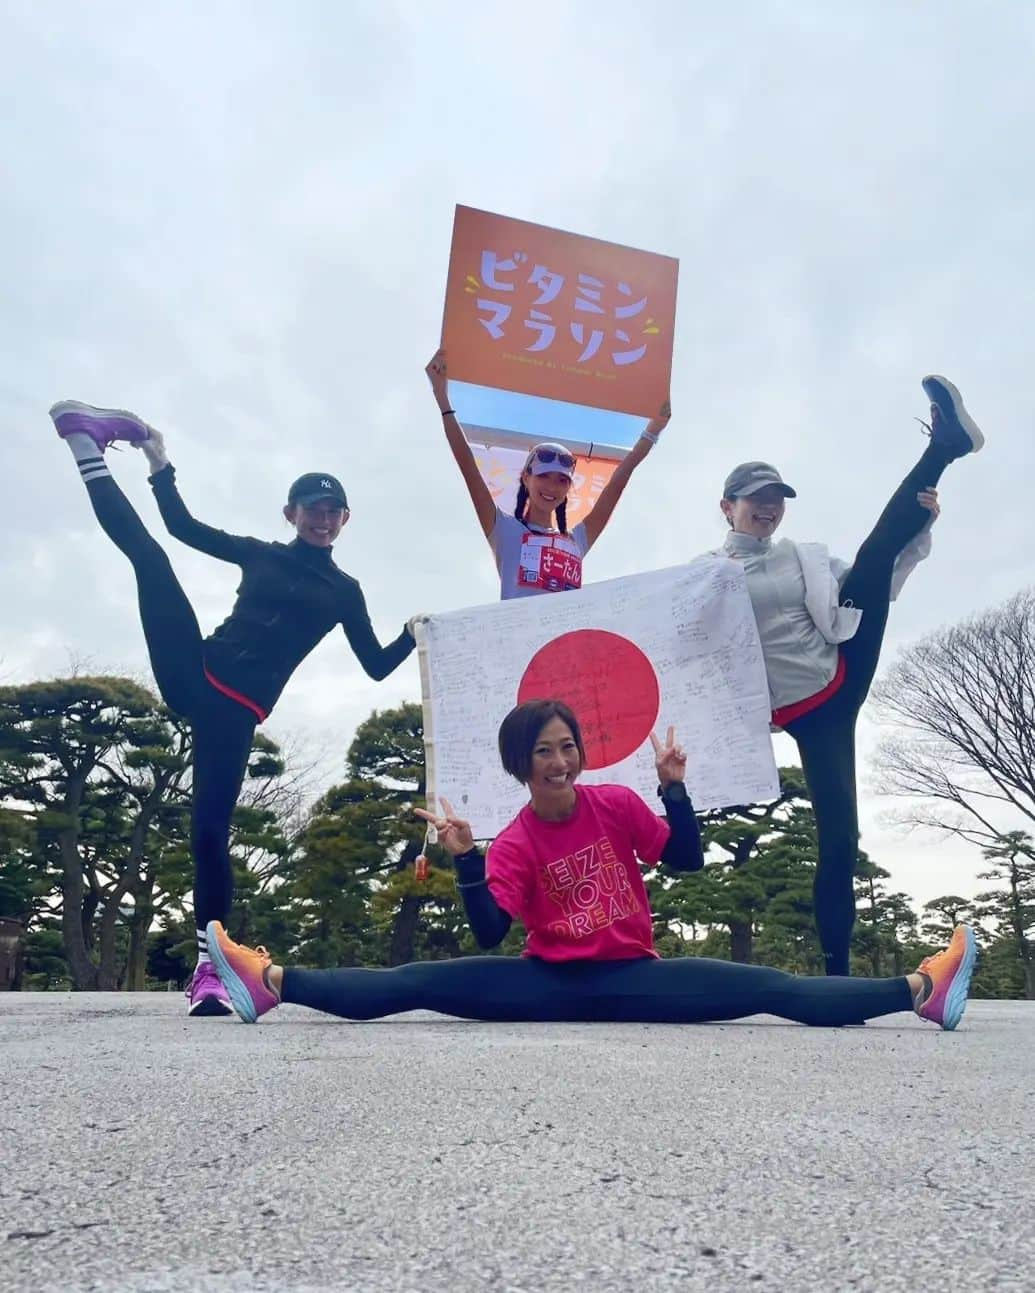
(462, 452)
(489, 922)
(181, 525)
(378, 661)
(612, 491)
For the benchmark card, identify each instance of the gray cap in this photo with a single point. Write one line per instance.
(750, 477)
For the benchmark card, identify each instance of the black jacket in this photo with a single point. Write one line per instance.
(291, 595)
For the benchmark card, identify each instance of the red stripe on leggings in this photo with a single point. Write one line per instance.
(260, 713)
(788, 713)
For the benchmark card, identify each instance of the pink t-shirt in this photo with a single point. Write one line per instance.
(576, 884)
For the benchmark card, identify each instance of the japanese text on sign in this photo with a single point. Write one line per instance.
(589, 298)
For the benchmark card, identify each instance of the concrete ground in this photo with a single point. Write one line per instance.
(142, 1151)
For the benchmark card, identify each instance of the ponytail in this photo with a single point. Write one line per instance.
(562, 517)
(522, 501)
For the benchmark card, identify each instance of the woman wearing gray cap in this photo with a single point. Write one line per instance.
(534, 550)
(291, 595)
(822, 624)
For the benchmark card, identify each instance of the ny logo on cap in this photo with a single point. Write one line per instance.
(326, 484)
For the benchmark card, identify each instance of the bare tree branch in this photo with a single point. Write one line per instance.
(961, 708)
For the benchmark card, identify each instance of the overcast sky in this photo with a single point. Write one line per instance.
(235, 219)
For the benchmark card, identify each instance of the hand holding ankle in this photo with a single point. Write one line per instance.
(154, 451)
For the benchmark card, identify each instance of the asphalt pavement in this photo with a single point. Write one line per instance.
(141, 1151)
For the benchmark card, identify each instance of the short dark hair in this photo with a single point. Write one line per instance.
(520, 730)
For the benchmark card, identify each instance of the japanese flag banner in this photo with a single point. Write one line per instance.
(676, 647)
(558, 315)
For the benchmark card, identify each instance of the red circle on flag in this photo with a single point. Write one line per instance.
(609, 684)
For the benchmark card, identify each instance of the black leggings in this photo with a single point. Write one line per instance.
(826, 736)
(221, 729)
(689, 990)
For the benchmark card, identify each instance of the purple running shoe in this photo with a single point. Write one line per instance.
(206, 994)
(101, 425)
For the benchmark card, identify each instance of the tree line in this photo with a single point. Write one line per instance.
(95, 864)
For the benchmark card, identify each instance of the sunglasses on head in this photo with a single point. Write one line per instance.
(562, 459)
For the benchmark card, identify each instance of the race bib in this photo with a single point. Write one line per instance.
(549, 562)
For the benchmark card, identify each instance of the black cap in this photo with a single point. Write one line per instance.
(315, 485)
(750, 477)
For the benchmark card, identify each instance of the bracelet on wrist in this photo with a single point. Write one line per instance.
(652, 436)
(448, 413)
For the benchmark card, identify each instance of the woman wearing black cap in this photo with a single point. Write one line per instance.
(290, 596)
(822, 624)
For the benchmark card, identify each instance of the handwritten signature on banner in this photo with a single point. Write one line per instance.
(698, 665)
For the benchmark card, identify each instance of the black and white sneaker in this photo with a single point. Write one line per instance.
(951, 424)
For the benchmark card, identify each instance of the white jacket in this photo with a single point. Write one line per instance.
(825, 574)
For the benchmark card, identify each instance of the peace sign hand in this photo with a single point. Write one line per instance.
(454, 834)
(669, 759)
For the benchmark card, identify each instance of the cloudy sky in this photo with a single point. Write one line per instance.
(235, 218)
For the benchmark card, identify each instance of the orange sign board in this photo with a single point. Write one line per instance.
(549, 313)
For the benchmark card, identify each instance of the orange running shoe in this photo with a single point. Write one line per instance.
(949, 972)
(242, 971)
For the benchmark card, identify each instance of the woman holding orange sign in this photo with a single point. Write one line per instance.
(534, 550)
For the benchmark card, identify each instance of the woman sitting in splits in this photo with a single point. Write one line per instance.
(291, 595)
(567, 867)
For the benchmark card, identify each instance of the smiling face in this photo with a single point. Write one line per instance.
(757, 514)
(556, 763)
(547, 491)
(318, 523)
